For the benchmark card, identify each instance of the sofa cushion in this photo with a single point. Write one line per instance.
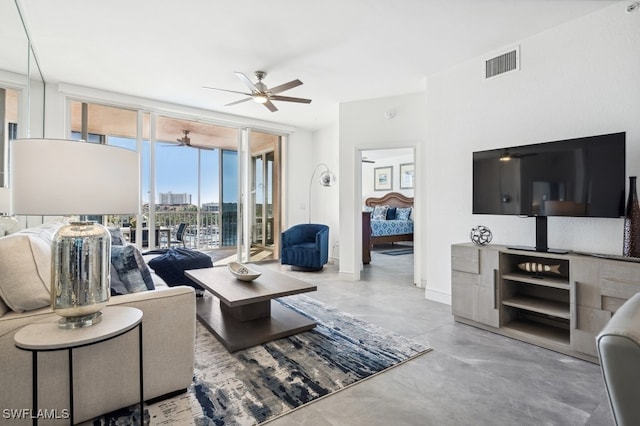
(129, 272)
(3, 307)
(25, 271)
(8, 225)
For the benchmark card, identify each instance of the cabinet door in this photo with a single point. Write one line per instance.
(487, 304)
(588, 317)
(463, 294)
(465, 267)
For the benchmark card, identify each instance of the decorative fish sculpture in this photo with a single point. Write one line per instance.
(539, 267)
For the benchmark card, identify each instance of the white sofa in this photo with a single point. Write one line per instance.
(105, 374)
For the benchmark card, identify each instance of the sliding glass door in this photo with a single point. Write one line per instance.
(221, 182)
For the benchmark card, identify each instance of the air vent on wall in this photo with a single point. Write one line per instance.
(503, 63)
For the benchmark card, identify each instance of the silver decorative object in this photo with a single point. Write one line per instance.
(80, 272)
(481, 235)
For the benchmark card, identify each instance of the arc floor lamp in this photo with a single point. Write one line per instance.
(327, 178)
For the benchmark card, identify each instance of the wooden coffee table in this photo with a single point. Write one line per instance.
(241, 314)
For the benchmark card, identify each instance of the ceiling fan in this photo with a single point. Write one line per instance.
(261, 94)
(185, 140)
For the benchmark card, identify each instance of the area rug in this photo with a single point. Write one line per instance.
(264, 382)
(397, 252)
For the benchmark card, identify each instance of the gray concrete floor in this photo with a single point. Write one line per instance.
(472, 377)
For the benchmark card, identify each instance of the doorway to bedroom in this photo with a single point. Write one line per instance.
(387, 191)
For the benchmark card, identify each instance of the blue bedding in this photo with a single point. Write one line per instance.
(380, 228)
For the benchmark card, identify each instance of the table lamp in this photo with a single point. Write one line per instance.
(62, 177)
(8, 224)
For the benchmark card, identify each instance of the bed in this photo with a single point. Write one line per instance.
(379, 225)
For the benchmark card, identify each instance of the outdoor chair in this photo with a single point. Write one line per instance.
(179, 235)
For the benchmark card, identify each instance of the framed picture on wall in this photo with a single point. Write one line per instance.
(406, 176)
(383, 178)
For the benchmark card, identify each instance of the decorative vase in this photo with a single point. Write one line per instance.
(631, 245)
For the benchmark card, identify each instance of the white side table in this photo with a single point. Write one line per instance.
(46, 337)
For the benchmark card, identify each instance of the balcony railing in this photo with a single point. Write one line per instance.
(207, 236)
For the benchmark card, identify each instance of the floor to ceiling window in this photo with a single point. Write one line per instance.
(188, 184)
(265, 194)
(9, 104)
(190, 174)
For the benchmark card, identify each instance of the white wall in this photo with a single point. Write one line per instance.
(368, 170)
(297, 160)
(575, 80)
(363, 126)
(325, 202)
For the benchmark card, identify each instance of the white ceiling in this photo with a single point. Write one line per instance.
(342, 50)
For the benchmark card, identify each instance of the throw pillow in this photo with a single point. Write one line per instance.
(171, 265)
(8, 225)
(367, 209)
(391, 213)
(117, 237)
(379, 213)
(130, 270)
(25, 262)
(403, 213)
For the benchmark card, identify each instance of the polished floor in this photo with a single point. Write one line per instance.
(472, 377)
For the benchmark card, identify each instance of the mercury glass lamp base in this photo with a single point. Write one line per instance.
(79, 322)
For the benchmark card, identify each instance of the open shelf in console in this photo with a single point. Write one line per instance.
(540, 333)
(540, 306)
(535, 298)
(546, 281)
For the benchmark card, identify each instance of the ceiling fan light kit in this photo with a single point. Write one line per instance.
(261, 99)
(261, 94)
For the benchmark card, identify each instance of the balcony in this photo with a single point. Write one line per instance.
(206, 236)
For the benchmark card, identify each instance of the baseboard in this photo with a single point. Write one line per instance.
(437, 296)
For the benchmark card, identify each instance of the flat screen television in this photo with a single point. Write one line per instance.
(582, 177)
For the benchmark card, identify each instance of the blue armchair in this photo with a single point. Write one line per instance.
(305, 247)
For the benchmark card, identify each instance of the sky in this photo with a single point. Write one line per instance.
(177, 170)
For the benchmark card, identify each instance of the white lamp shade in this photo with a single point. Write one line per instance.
(5, 199)
(62, 177)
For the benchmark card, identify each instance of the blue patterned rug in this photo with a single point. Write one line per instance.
(257, 384)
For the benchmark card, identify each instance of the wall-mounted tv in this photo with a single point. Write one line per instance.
(582, 177)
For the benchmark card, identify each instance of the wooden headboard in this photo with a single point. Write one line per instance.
(392, 199)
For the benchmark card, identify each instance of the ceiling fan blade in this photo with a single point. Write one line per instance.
(285, 86)
(206, 148)
(225, 90)
(239, 102)
(290, 99)
(247, 82)
(270, 106)
(364, 160)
